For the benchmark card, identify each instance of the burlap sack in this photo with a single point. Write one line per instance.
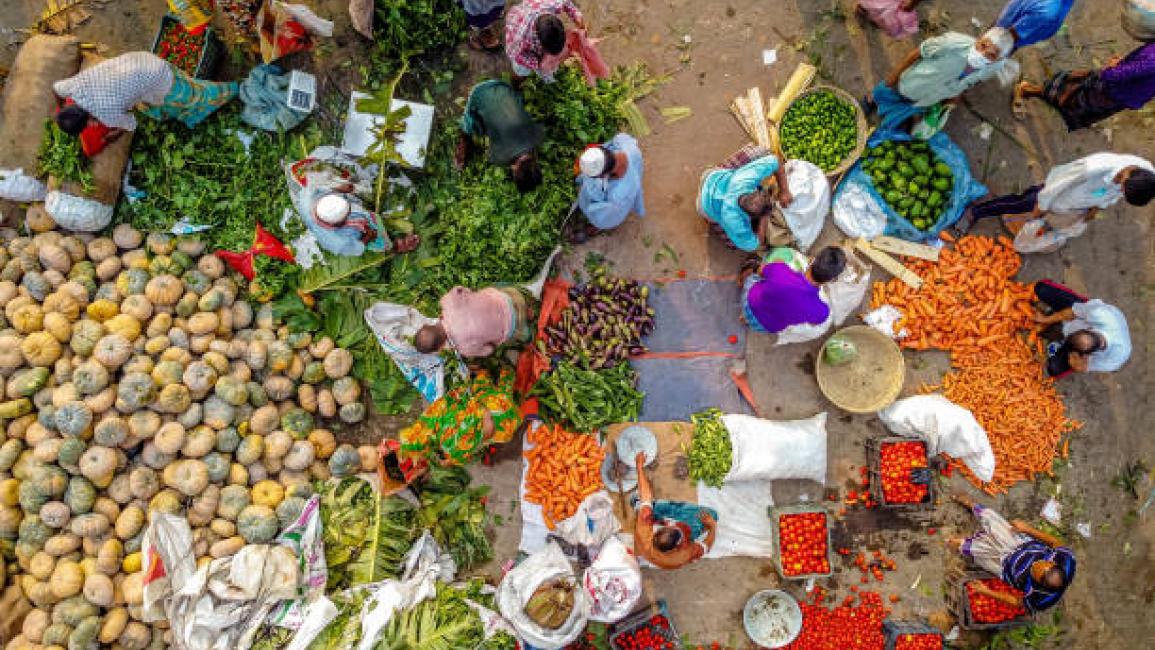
(28, 97)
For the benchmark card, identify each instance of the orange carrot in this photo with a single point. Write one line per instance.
(564, 468)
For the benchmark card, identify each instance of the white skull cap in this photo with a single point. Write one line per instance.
(593, 162)
(333, 209)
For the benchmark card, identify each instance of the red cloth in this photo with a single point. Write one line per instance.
(532, 363)
(263, 244)
(92, 137)
(579, 45)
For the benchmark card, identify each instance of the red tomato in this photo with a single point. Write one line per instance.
(733, 339)
(845, 627)
(897, 460)
(802, 540)
(918, 642)
(989, 610)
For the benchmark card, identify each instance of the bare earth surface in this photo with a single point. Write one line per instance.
(713, 50)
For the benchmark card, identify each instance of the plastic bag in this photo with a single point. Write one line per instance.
(847, 292)
(167, 552)
(838, 350)
(1031, 238)
(884, 319)
(766, 450)
(613, 582)
(967, 188)
(287, 28)
(394, 326)
(518, 586)
(807, 213)
(593, 522)
(1139, 19)
(303, 536)
(17, 186)
(858, 211)
(77, 213)
(946, 427)
(932, 122)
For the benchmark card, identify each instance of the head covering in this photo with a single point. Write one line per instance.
(594, 161)
(1003, 39)
(332, 209)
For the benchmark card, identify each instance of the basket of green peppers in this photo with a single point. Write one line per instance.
(824, 126)
(912, 179)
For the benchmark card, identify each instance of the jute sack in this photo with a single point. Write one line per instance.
(28, 101)
(76, 209)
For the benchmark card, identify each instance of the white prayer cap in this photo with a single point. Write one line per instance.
(333, 209)
(593, 162)
(1003, 39)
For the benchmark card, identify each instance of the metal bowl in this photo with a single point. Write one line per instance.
(772, 618)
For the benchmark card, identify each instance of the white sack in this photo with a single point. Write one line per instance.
(946, 427)
(613, 582)
(77, 213)
(807, 213)
(743, 525)
(858, 214)
(766, 450)
(522, 581)
(593, 522)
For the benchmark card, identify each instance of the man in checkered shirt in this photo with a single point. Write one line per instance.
(535, 35)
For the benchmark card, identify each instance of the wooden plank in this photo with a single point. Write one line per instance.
(892, 266)
(896, 246)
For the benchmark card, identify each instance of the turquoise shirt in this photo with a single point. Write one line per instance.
(942, 72)
(719, 199)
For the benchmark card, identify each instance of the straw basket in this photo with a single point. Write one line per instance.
(859, 121)
(869, 382)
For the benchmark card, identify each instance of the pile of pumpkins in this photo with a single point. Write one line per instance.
(135, 378)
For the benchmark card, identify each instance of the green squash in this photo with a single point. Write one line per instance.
(34, 532)
(70, 452)
(232, 390)
(289, 510)
(195, 281)
(298, 422)
(345, 461)
(314, 373)
(73, 419)
(228, 440)
(80, 495)
(257, 524)
(352, 413)
(27, 382)
(72, 611)
(132, 281)
(135, 391)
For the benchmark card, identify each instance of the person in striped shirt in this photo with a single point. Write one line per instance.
(1034, 562)
(535, 36)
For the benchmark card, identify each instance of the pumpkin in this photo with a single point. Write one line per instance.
(256, 356)
(257, 395)
(226, 547)
(132, 281)
(278, 388)
(257, 524)
(80, 495)
(345, 461)
(211, 266)
(234, 499)
(169, 438)
(218, 466)
(159, 325)
(232, 390)
(280, 356)
(137, 306)
(73, 419)
(289, 510)
(100, 249)
(196, 282)
(127, 237)
(62, 544)
(62, 303)
(26, 383)
(144, 483)
(236, 350)
(10, 520)
(55, 257)
(338, 363)
(153, 457)
(112, 351)
(98, 590)
(277, 444)
(56, 635)
(160, 243)
(35, 623)
(217, 362)
(69, 452)
(189, 477)
(67, 579)
(324, 442)
(8, 289)
(165, 265)
(85, 335)
(212, 300)
(242, 313)
(346, 390)
(321, 347)
(298, 422)
(102, 401)
(124, 325)
(98, 465)
(156, 345)
(92, 524)
(179, 338)
(63, 394)
(352, 413)
(203, 323)
(250, 450)
(228, 440)
(27, 318)
(33, 531)
(238, 370)
(130, 522)
(204, 507)
(190, 246)
(110, 431)
(143, 424)
(107, 270)
(199, 442)
(11, 357)
(115, 622)
(90, 377)
(314, 373)
(134, 392)
(167, 372)
(55, 514)
(300, 456)
(174, 398)
(218, 413)
(164, 290)
(307, 397)
(36, 285)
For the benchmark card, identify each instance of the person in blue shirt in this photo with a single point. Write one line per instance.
(610, 185)
(1034, 21)
(739, 199)
(1035, 563)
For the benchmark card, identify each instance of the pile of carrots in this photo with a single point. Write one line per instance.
(970, 306)
(564, 469)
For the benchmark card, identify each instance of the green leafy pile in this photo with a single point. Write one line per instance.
(366, 535)
(209, 177)
(456, 515)
(407, 28)
(62, 158)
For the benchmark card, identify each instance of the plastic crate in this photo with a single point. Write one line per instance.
(777, 512)
(212, 47)
(892, 630)
(959, 604)
(641, 619)
(874, 471)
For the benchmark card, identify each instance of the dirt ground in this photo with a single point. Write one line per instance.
(713, 51)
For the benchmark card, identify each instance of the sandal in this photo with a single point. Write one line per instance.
(1019, 103)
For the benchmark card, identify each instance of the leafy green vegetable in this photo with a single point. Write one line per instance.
(366, 535)
(456, 515)
(408, 28)
(62, 158)
(711, 454)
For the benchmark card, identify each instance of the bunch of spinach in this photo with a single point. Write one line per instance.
(62, 158)
(408, 28)
(456, 514)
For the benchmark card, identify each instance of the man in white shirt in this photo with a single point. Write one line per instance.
(1045, 216)
(1095, 334)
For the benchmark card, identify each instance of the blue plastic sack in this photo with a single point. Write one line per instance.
(967, 189)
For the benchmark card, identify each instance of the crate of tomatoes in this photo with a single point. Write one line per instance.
(801, 539)
(978, 611)
(899, 472)
(197, 55)
(648, 629)
(911, 635)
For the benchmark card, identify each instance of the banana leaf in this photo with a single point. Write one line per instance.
(336, 269)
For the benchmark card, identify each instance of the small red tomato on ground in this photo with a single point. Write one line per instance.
(733, 339)
(681, 273)
(931, 531)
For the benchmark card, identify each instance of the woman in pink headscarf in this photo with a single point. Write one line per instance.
(896, 17)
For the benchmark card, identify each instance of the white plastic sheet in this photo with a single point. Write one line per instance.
(858, 214)
(807, 213)
(743, 523)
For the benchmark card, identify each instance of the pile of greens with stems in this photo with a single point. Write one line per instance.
(61, 157)
(407, 28)
(210, 177)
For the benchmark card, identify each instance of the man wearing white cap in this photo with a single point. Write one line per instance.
(343, 226)
(610, 184)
